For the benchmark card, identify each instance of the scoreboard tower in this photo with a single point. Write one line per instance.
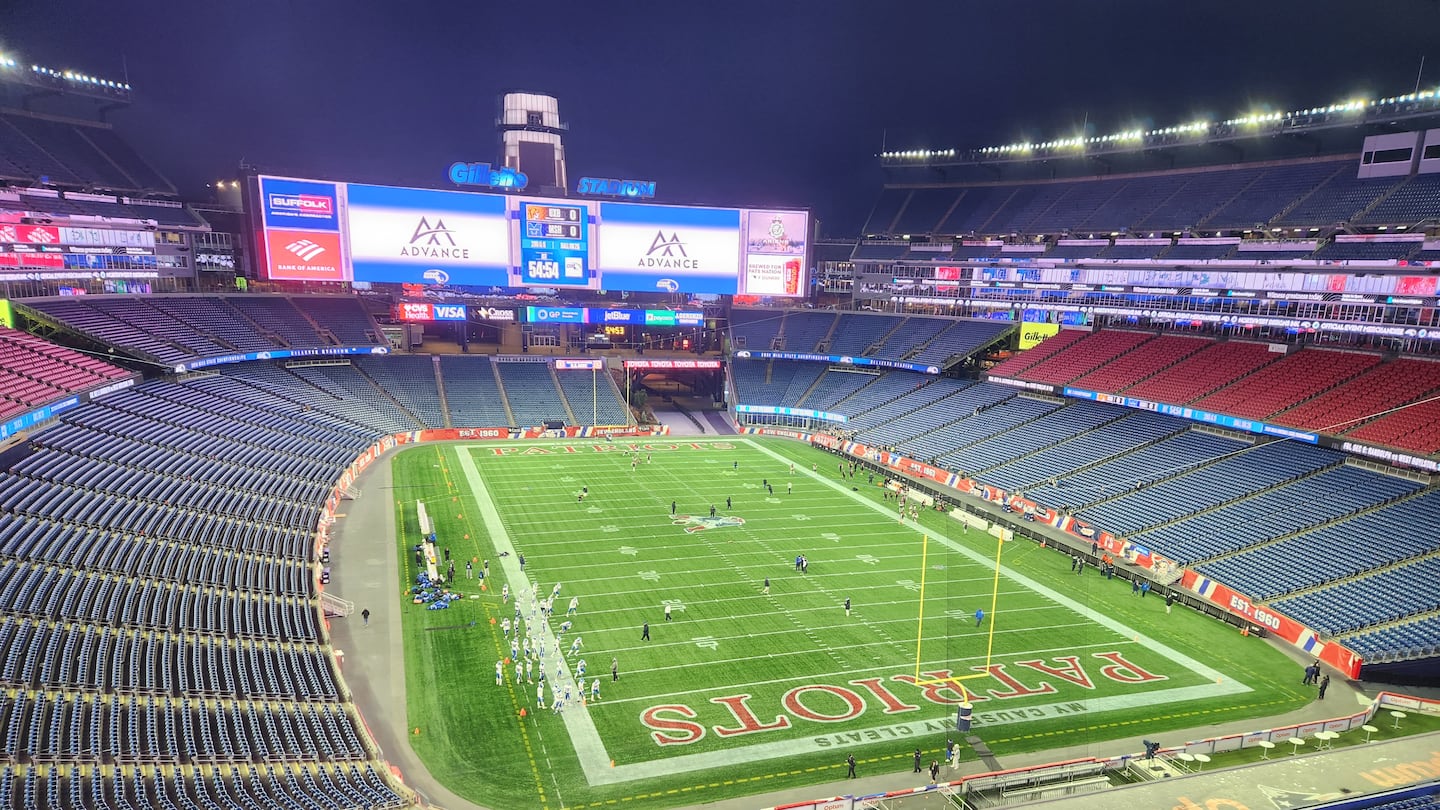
(532, 140)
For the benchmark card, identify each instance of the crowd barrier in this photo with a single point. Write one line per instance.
(1057, 771)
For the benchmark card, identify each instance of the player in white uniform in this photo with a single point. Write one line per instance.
(540, 694)
(574, 606)
(499, 672)
(575, 646)
(595, 690)
(580, 670)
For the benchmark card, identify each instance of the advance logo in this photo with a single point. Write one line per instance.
(433, 240)
(667, 253)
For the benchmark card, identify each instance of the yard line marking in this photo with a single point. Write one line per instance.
(591, 752)
(1055, 596)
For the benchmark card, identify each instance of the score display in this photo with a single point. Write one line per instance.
(554, 245)
(313, 230)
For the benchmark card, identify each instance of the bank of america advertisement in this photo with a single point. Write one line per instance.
(309, 230)
(660, 248)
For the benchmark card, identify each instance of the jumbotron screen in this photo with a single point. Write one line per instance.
(311, 230)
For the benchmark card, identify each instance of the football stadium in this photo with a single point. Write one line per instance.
(1054, 485)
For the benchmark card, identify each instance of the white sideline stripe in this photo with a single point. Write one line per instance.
(587, 742)
(595, 761)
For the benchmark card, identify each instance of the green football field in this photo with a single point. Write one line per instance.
(743, 691)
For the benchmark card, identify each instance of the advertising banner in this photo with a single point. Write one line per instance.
(304, 255)
(673, 364)
(775, 243)
(554, 315)
(1290, 630)
(1033, 334)
(305, 204)
(425, 311)
(16, 234)
(579, 364)
(436, 237)
(669, 249)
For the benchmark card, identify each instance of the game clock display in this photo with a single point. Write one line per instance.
(554, 245)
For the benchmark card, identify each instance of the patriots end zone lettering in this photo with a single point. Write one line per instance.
(680, 724)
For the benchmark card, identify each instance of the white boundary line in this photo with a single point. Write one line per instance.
(595, 760)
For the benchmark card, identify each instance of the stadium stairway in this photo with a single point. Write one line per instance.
(1300, 200)
(1380, 198)
(810, 389)
(1317, 527)
(1179, 428)
(1023, 361)
(1241, 192)
(1173, 472)
(1366, 574)
(1019, 430)
(823, 346)
(873, 350)
(440, 388)
(504, 397)
(1248, 495)
(560, 391)
(260, 329)
(388, 396)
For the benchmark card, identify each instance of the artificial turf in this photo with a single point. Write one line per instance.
(744, 692)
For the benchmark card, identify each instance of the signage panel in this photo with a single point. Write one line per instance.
(307, 204)
(423, 236)
(669, 249)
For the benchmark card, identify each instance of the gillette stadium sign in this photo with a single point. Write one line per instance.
(486, 176)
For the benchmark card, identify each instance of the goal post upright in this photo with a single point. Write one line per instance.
(956, 680)
(920, 621)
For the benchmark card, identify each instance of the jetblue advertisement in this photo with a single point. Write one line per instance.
(428, 237)
(659, 248)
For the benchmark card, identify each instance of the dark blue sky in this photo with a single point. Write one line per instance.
(779, 102)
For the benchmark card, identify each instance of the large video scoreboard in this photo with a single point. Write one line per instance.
(310, 230)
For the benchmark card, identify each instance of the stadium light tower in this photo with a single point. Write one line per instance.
(532, 139)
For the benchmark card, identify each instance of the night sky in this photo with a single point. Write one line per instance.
(733, 103)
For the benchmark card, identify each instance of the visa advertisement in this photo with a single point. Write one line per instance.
(308, 230)
(658, 248)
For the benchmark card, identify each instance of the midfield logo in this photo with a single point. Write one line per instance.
(700, 523)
